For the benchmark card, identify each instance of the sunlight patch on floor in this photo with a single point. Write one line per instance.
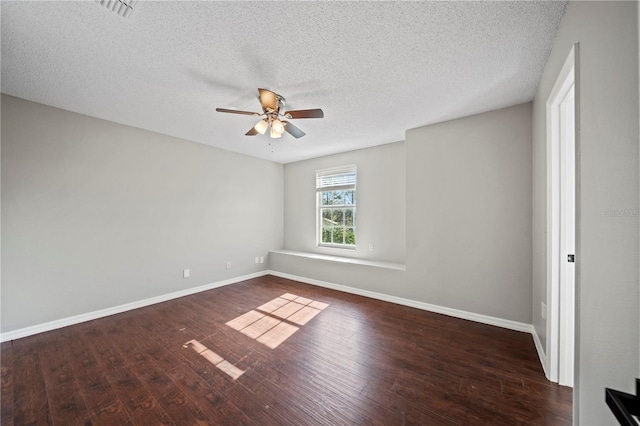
(275, 321)
(244, 320)
(215, 359)
(277, 335)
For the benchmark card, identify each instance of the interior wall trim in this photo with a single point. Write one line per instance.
(541, 354)
(77, 319)
(471, 316)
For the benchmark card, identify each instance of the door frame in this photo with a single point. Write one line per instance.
(557, 314)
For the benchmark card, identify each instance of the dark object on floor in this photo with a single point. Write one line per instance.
(624, 405)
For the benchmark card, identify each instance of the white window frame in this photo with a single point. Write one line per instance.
(323, 186)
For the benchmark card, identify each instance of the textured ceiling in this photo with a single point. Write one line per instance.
(375, 68)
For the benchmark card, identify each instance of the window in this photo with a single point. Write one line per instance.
(336, 200)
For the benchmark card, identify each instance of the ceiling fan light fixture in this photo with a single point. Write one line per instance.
(271, 104)
(277, 126)
(275, 134)
(261, 126)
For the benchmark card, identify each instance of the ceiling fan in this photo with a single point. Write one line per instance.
(272, 104)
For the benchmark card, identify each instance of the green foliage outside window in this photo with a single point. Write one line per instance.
(338, 217)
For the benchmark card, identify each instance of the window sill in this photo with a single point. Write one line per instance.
(340, 259)
(329, 246)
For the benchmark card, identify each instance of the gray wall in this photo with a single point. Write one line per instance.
(468, 216)
(607, 247)
(380, 217)
(380, 220)
(469, 213)
(97, 214)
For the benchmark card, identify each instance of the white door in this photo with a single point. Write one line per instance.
(567, 239)
(561, 226)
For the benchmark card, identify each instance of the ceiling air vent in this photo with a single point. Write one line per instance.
(121, 7)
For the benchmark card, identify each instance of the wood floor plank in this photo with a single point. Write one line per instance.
(125, 383)
(257, 408)
(31, 405)
(354, 361)
(6, 384)
(67, 405)
(204, 395)
(110, 414)
(66, 402)
(182, 410)
(145, 410)
(286, 404)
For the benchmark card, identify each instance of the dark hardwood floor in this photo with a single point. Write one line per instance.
(357, 361)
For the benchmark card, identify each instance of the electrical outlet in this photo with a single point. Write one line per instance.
(370, 246)
(543, 310)
(257, 259)
(186, 273)
(261, 259)
(228, 265)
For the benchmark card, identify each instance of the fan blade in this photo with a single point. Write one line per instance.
(305, 113)
(268, 100)
(251, 132)
(293, 130)
(235, 111)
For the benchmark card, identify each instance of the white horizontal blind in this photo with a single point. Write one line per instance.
(336, 178)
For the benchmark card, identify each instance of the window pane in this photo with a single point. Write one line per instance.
(338, 236)
(349, 197)
(349, 236)
(336, 189)
(348, 217)
(338, 217)
(326, 235)
(326, 217)
(338, 197)
(326, 198)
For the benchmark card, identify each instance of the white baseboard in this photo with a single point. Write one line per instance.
(541, 354)
(77, 319)
(484, 319)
